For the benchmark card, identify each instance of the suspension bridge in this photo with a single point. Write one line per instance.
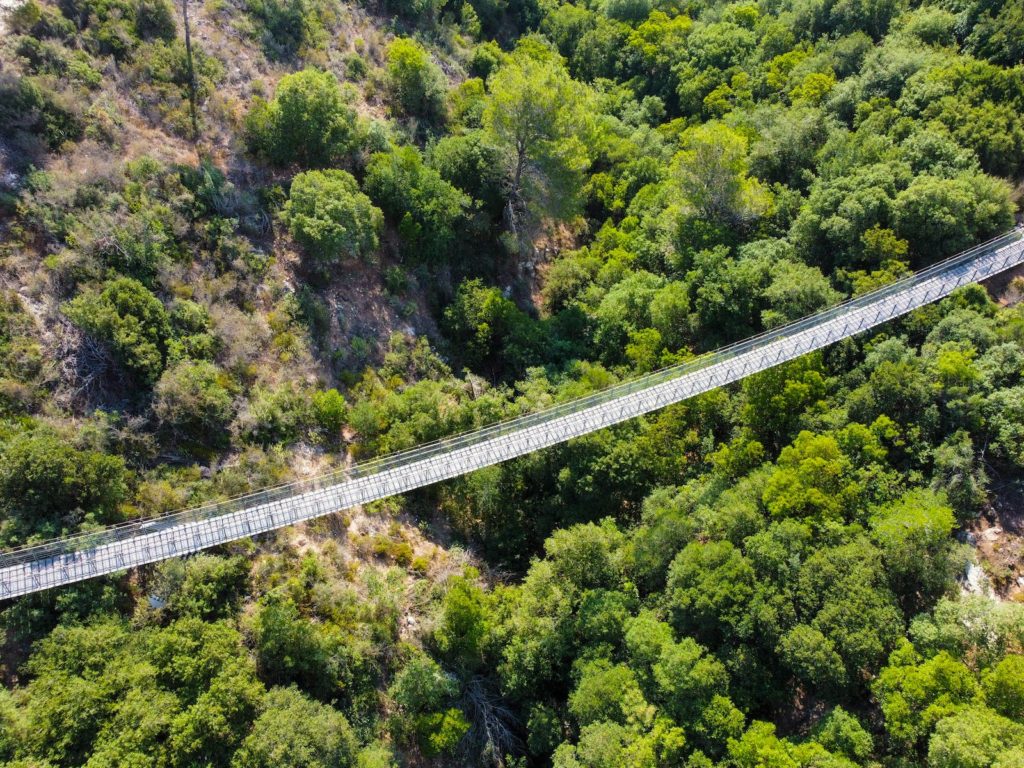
(75, 558)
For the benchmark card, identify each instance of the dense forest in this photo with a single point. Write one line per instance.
(247, 241)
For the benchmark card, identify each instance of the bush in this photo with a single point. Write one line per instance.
(154, 19)
(47, 484)
(124, 314)
(330, 412)
(308, 122)
(328, 215)
(426, 208)
(193, 402)
(417, 85)
(26, 107)
(288, 26)
(294, 732)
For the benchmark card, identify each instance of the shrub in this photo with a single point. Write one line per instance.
(330, 412)
(154, 19)
(26, 107)
(307, 122)
(426, 208)
(193, 401)
(47, 484)
(328, 215)
(416, 84)
(288, 26)
(124, 314)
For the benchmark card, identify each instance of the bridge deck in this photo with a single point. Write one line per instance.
(64, 561)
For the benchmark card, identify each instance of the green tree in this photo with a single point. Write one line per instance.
(842, 733)
(126, 315)
(328, 215)
(463, 628)
(429, 211)
(193, 400)
(294, 732)
(914, 536)
(914, 695)
(605, 691)
(307, 122)
(291, 649)
(535, 115)
(712, 175)
(47, 485)
(491, 332)
(416, 84)
(976, 737)
(812, 658)
(710, 586)
(209, 731)
(687, 679)
(1004, 687)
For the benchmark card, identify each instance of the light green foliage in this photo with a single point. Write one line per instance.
(759, 746)
(586, 555)
(687, 679)
(423, 691)
(416, 83)
(536, 115)
(1004, 687)
(971, 627)
(914, 695)
(307, 123)
(605, 692)
(294, 732)
(463, 628)
(330, 412)
(422, 686)
(813, 480)
(712, 175)
(914, 536)
(976, 737)
(841, 733)
(328, 215)
(536, 630)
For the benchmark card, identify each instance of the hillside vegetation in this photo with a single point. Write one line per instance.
(318, 232)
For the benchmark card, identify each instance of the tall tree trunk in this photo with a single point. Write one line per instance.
(191, 74)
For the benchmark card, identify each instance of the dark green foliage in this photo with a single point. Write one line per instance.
(290, 27)
(48, 485)
(491, 332)
(27, 109)
(429, 211)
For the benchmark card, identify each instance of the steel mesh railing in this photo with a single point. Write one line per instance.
(54, 551)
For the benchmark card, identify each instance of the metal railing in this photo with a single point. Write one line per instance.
(72, 558)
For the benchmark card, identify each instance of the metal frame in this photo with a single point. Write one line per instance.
(74, 558)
